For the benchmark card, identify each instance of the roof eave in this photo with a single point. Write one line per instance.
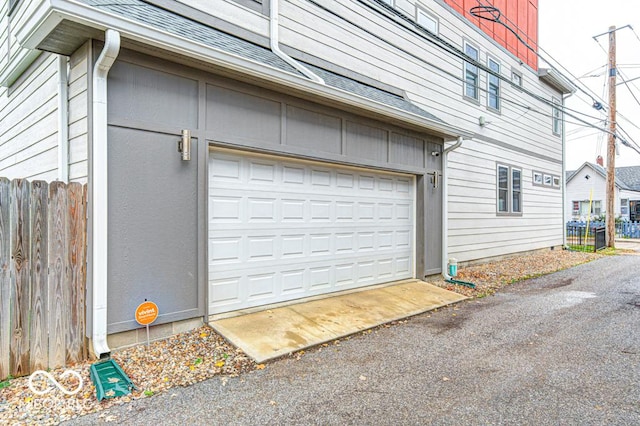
(556, 80)
(52, 12)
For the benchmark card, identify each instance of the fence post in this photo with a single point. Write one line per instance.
(76, 347)
(5, 281)
(38, 351)
(59, 294)
(20, 294)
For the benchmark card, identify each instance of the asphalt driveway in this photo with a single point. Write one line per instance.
(561, 349)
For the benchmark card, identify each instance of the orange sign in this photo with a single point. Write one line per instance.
(146, 313)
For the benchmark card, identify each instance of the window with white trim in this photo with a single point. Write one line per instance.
(624, 206)
(493, 85)
(516, 77)
(471, 77)
(429, 22)
(537, 178)
(509, 197)
(581, 208)
(556, 117)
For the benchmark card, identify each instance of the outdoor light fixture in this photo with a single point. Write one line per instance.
(587, 177)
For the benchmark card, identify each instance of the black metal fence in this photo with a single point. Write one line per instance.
(583, 238)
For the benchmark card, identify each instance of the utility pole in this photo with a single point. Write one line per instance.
(611, 142)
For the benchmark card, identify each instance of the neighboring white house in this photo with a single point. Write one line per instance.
(586, 192)
(333, 145)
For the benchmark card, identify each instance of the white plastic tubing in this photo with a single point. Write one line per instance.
(274, 41)
(99, 191)
(445, 209)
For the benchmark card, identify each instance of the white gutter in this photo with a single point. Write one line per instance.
(445, 208)
(274, 41)
(99, 206)
(63, 119)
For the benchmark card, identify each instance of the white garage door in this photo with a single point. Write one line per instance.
(283, 229)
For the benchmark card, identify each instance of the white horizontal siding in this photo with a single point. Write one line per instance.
(9, 48)
(436, 91)
(4, 34)
(475, 229)
(234, 13)
(78, 114)
(520, 135)
(29, 124)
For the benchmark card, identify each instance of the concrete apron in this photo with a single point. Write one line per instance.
(275, 332)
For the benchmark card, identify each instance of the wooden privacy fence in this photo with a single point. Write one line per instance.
(42, 275)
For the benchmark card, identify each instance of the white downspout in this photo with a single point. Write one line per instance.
(274, 41)
(99, 190)
(63, 119)
(564, 178)
(445, 208)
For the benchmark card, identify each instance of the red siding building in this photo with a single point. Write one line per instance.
(520, 15)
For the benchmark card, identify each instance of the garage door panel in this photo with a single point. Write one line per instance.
(281, 229)
(226, 246)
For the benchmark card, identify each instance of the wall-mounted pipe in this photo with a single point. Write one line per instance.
(99, 188)
(274, 41)
(63, 119)
(445, 208)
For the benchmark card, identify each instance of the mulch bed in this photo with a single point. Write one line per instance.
(201, 354)
(491, 276)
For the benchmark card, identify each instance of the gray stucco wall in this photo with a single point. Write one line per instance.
(153, 196)
(157, 213)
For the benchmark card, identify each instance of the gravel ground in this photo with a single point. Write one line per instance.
(562, 349)
(491, 276)
(192, 357)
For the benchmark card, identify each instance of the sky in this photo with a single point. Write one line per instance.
(566, 31)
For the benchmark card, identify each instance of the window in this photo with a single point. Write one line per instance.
(516, 77)
(556, 117)
(516, 190)
(503, 189)
(596, 207)
(543, 179)
(493, 86)
(427, 21)
(12, 5)
(624, 206)
(509, 190)
(581, 209)
(471, 73)
(537, 178)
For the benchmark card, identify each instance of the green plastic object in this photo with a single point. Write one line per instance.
(459, 282)
(110, 380)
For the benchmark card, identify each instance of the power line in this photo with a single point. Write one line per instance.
(575, 138)
(417, 29)
(410, 24)
(495, 15)
(626, 83)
